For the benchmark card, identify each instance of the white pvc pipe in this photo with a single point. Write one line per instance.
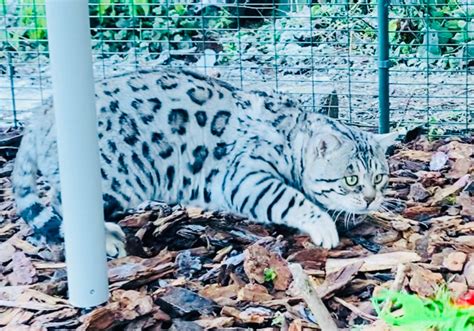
(78, 151)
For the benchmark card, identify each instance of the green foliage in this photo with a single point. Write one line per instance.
(441, 31)
(122, 25)
(424, 314)
(432, 29)
(269, 274)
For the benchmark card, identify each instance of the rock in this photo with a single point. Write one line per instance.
(180, 302)
(455, 261)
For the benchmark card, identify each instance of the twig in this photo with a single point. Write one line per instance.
(397, 284)
(314, 302)
(355, 310)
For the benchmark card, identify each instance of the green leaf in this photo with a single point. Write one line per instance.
(452, 24)
(103, 6)
(144, 5)
(180, 9)
(269, 274)
(392, 28)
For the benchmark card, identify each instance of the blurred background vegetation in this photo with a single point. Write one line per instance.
(442, 30)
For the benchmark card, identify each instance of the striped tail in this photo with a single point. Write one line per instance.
(44, 220)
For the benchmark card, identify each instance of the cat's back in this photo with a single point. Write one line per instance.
(174, 103)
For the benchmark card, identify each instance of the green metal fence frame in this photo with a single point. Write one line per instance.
(383, 66)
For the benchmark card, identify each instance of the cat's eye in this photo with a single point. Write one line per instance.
(378, 179)
(351, 180)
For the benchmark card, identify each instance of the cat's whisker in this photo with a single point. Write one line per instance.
(339, 214)
(386, 210)
(347, 219)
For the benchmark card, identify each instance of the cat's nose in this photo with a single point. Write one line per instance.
(369, 199)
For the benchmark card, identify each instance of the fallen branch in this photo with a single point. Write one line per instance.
(397, 284)
(355, 310)
(314, 302)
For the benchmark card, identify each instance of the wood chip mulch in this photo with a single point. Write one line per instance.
(195, 270)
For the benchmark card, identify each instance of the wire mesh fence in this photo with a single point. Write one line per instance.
(324, 53)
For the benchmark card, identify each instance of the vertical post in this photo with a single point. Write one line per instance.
(78, 151)
(383, 66)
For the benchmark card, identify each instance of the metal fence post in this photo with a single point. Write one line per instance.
(383, 66)
(78, 150)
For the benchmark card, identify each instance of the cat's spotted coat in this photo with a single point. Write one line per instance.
(178, 136)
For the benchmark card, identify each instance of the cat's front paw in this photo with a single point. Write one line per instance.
(114, 240)
(323, 232)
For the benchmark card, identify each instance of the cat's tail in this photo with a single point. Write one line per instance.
(44, 220)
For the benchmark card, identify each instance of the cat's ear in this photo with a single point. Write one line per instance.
(325, 144)
(386, 140)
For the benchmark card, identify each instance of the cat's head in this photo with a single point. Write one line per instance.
(347, 170)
